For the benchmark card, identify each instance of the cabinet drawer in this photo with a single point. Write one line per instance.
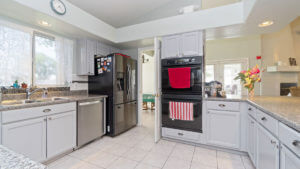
(221, 105)
(290, 138)
(251, 111)
(181, 134)
(28, 113)
(268, 122)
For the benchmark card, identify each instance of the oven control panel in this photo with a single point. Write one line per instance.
(182, 61)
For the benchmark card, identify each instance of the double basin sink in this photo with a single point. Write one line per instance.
(28, 101)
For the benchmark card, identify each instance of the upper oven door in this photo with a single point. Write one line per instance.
(195, 82)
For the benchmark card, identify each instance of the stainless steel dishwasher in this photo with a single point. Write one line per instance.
(91, 121)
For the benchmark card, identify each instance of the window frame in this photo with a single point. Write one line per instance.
(47, 36)
(219, 68)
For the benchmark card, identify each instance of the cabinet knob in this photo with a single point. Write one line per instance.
(45, 119)
(222, 105)
(180, 134)
(46, 110)
(49, 118)
(250, 109)
(296, 143)
(263, 118)
(252, 122)
(273, 142)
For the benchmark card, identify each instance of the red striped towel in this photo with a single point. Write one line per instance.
(181, 111)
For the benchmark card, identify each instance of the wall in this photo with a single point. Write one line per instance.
(148, 75)
(276, 47)
(235, 48)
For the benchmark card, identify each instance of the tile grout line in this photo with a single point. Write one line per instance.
(192, 157)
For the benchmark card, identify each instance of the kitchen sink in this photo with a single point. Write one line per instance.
(18, 102)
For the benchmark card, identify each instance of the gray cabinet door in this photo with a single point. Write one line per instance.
(224, 128)
(288, 160)
(61, 133)
(267, 150)
(251, 138)
(91, 51)
(190, 44)
(26, 137)
(171, 46)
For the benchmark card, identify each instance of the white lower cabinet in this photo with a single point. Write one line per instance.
(288, 160)
(267, 150)
(26, 137)
(251, 138)
(61, 133)
(223, 128)
(40, 137)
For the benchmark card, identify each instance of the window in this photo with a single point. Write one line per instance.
(48, 63)
(225, 72)
(15, 56)
(209, 73)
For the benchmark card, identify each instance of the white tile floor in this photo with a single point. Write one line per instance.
(136, 149)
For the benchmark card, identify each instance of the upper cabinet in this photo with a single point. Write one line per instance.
(86, 50)
(103, 49)
(181, 45)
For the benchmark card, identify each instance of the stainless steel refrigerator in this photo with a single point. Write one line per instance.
(116, 76)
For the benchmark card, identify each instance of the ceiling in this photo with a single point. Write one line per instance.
(120, 13)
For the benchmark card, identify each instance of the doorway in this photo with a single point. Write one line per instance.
(146, 89)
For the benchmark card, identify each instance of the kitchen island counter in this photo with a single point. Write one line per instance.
(283, 108)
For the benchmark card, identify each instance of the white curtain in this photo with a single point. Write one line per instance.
(64, 53)
(15, 56)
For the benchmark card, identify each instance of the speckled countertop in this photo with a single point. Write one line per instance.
(12, 160)
(48, 101)
(283, 108)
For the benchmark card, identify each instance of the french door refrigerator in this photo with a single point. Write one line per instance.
(116, 76)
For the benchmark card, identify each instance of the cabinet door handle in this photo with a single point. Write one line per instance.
(49, 118)
(180, 134)
(45, 119)
(264, 119)
(296, 143)
(273, 142)
(222, 105)
(250, 109)
(46, 110)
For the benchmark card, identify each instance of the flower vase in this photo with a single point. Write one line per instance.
(251, 94)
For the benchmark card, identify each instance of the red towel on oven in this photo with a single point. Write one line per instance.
(181, 111)
(180, 78)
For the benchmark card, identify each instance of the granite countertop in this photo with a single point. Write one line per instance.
(12, 160)
(283, 108)
(48, 101)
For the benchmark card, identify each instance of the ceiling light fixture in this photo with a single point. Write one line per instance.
(189, 9)
(44, 23)
(265, 24)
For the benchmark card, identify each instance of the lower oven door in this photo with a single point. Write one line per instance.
(168, 119)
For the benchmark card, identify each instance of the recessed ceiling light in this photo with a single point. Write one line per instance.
(189, 9)
(266, 23)
(44, 23)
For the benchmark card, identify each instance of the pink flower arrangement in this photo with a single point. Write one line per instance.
(249, 77)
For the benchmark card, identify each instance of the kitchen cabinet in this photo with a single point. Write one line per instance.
(40, 133)
(251, 138)
(288, 160)
(61, 133)
(171, 46)
(182, 45)
(26, 137)
(267, 150)
(86, 50)
(103, 49)
(223, 128)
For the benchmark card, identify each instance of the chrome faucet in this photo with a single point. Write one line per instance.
(29, 93)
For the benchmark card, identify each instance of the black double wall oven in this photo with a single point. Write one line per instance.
(182, 88)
